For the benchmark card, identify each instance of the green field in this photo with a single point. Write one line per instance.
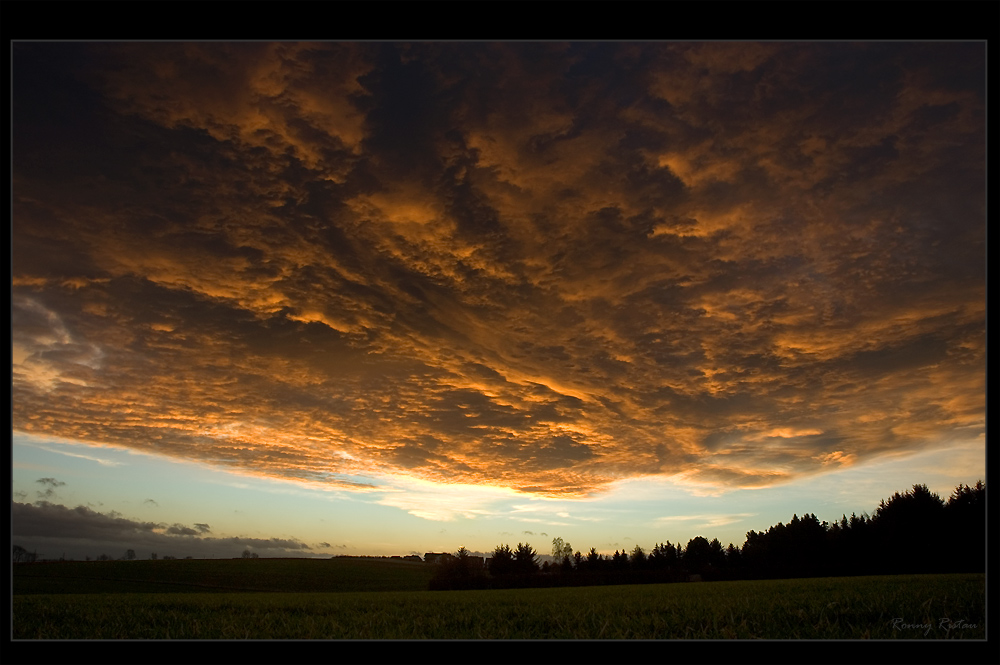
(289, 599)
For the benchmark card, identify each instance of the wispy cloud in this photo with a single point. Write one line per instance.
(703, 521)
(50, 485)
(103, 461)
(444, 502)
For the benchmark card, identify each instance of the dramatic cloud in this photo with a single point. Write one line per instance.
(539, 268)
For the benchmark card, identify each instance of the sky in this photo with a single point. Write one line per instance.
(312, 299)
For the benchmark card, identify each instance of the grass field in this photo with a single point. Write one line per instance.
(907, 607)
(222, 575)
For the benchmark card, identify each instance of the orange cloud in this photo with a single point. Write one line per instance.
(543, 269)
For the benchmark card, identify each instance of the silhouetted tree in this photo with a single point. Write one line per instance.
(562, 554)
(905, 526)
(637, 559)
(620, 560)
(862, 544)
(698, 556)
(901, 526)
(460, 571)
(755, 555)
(968, 498)
(734, 562)
(561, 549)
(593, 560)
(965, 527)
(664, 557)
(716, 559)
(525, 559)
(802, 544)
(129, 555)
(502, 563)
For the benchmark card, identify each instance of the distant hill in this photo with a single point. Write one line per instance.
(215, 575)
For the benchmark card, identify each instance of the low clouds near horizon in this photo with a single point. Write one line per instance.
(53, 529)
(544, 267)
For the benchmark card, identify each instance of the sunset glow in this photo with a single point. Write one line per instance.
(365, 298)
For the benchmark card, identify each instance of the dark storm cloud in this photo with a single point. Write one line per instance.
(80, 532)
(181, 530)
(542, 266)
(45, 518)
(270, 543)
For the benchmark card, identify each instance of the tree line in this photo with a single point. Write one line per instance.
(913, 532)
(22, 555)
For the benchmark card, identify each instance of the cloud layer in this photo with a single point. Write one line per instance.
(544, 267)
(53, 530)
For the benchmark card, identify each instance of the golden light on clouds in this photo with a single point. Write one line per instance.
(515, 267)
